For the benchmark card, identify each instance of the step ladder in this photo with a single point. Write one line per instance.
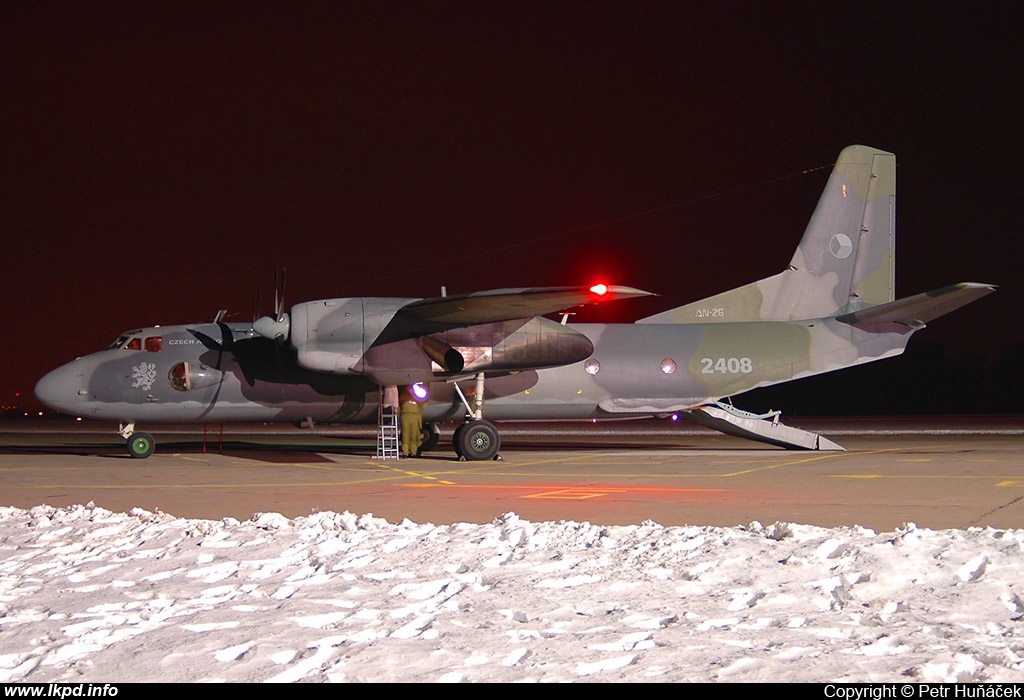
(387, 435)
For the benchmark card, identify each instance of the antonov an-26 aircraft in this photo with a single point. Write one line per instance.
(493, 356)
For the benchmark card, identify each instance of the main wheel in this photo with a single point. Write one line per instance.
(141, 445)
(429, 437)
(477, 440)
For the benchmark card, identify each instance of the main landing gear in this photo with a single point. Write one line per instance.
(140, 445)
(476, 439)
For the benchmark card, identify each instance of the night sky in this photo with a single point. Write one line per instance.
(157, 161)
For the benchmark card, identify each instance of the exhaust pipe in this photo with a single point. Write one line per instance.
(443, 354)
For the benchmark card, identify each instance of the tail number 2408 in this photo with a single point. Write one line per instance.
(726, 365)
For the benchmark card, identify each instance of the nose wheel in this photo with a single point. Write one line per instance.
(140, 445)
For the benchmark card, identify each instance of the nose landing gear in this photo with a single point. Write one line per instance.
(140, 445)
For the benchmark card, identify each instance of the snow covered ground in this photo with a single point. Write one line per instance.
(87, 595)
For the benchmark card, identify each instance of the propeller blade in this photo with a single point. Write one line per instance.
(227, 341)
(279, 296)
(227, 337)
(208, 342)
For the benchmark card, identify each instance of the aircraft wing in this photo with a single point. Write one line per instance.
(507, 304)
(915, 311)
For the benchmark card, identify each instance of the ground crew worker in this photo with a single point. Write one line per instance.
(412, 426)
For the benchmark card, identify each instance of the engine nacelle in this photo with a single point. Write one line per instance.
(507, 346)
(332, 335)
(532, 343)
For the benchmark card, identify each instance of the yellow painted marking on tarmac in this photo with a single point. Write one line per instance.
(332, 467)
(157, 487)
(975, 477)
(547, 460)
(805, 460)
(1011, 482)
(751, 470)
(408, 472)
(775, 465)
(501, 468)
(606, 475)
(493, 467)
(398, 474)
(258, 464)
(574, 494)
(525, 487)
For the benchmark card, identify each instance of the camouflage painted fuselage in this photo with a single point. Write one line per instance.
(635, 369)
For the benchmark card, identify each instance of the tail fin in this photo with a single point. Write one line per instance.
(845, 261)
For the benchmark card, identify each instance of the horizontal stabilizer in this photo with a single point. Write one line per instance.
(762, 428)
(915, 311)
(507, 304)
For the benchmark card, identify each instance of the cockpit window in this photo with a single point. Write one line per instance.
(132, 340)
(118, 343)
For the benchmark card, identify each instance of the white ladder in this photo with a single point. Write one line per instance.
(387, 435)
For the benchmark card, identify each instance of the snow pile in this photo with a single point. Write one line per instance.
(87, 595)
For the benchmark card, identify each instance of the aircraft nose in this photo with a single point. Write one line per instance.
(59, 389)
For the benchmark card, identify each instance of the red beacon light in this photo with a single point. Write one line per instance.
(599, 289)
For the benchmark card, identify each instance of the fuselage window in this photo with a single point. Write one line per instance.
(134, 344)
(154, 344)
(178, 377)
(186, 376)
(118, 343)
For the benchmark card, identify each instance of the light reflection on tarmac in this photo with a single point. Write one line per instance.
(936, 472)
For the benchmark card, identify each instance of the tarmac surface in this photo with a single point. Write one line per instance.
(953, 472)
